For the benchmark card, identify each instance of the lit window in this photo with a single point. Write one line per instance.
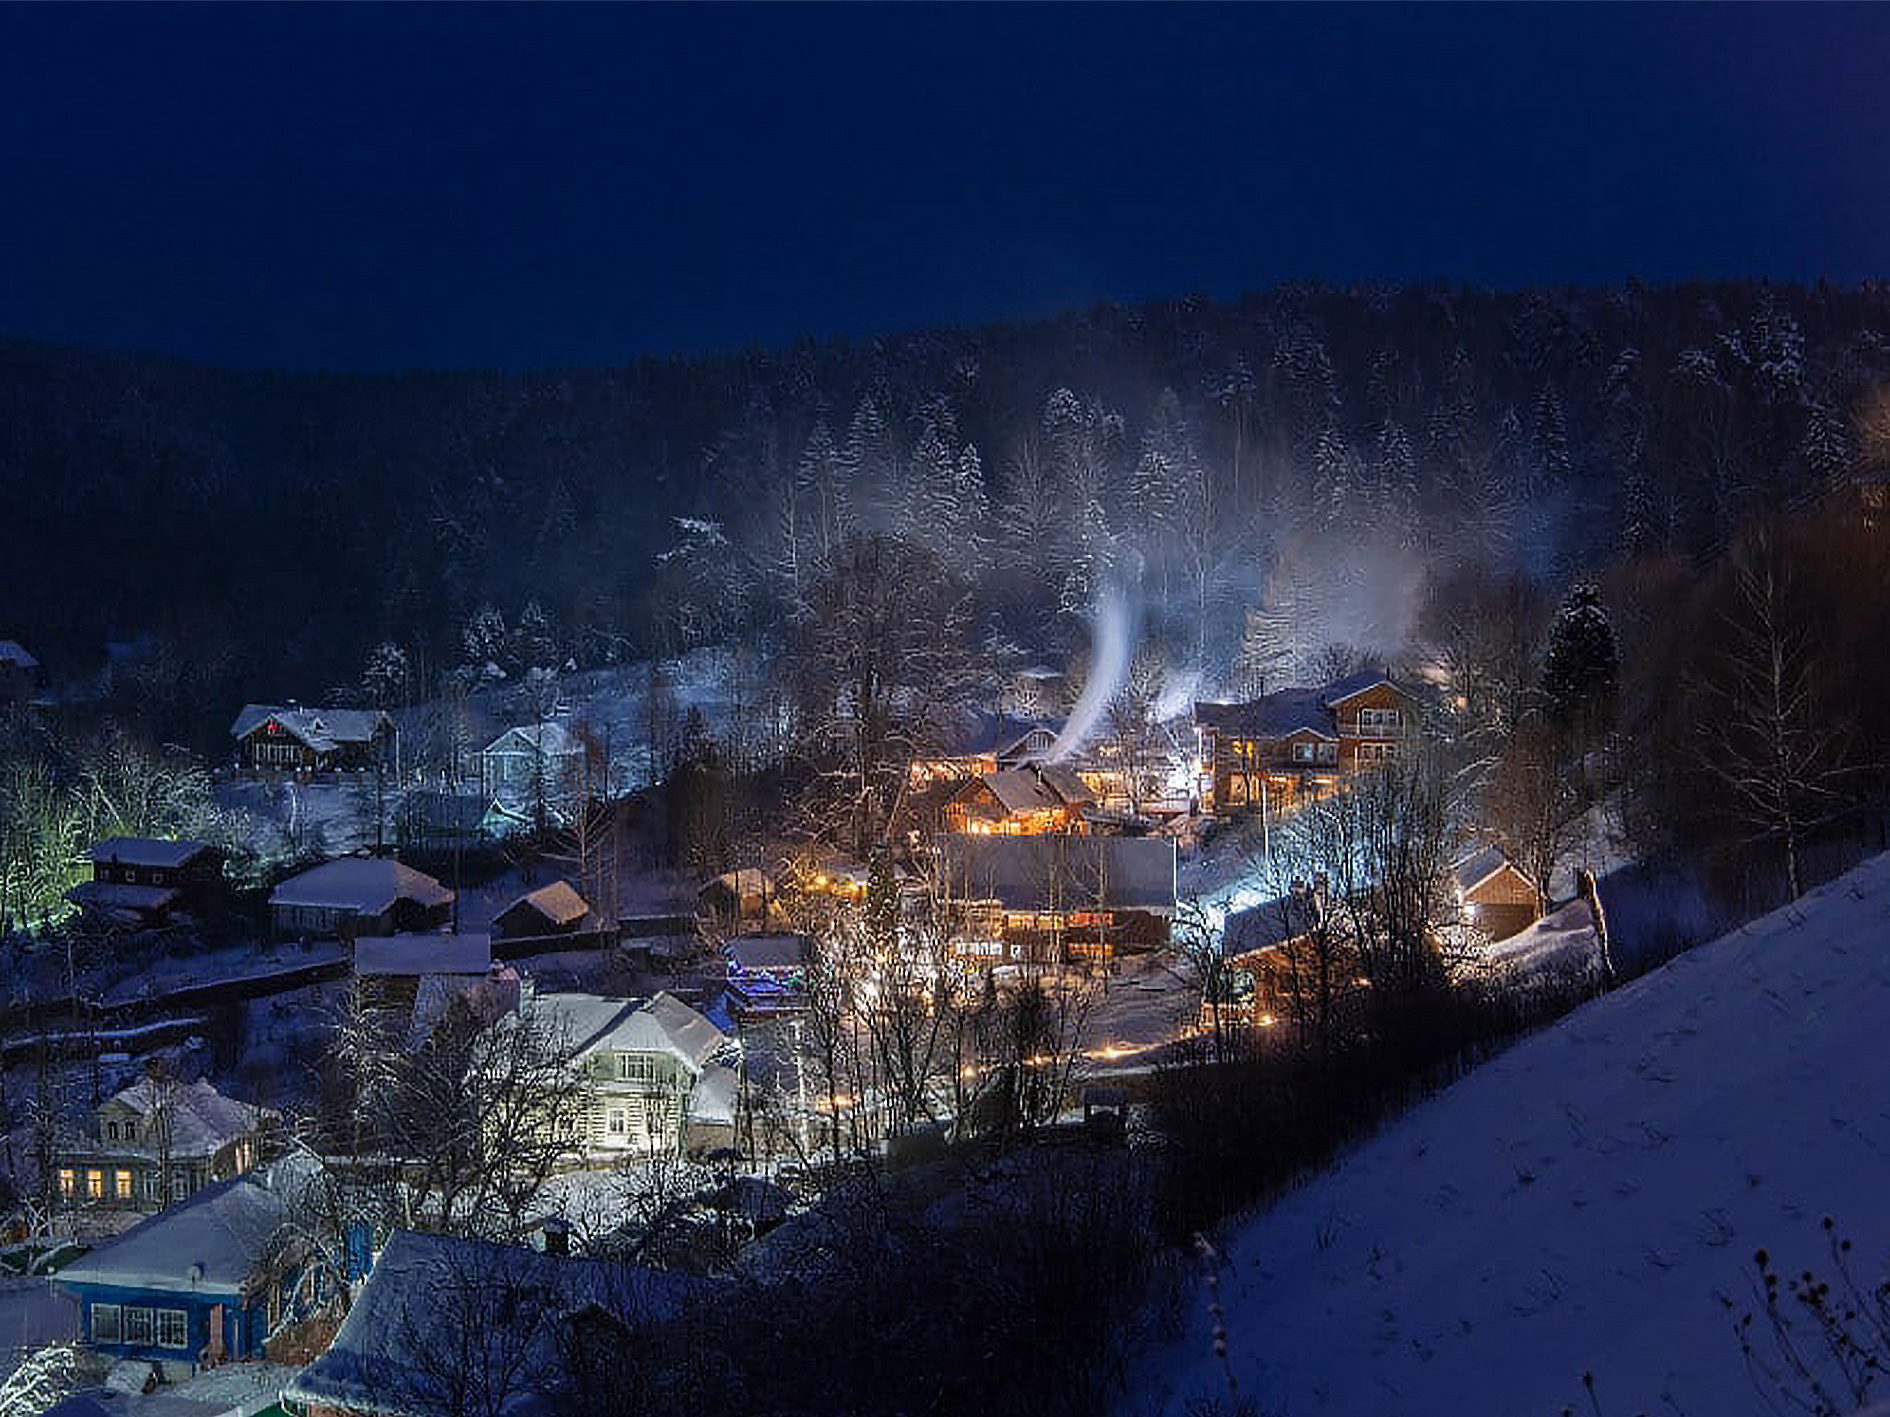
(173, 1332)
(95, 1184)
(107, 1324)
(122, 1185)
(68, 1182)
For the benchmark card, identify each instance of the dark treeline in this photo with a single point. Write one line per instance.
(259, 534)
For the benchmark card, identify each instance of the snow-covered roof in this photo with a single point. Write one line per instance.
(13, 652)
(201, 1120)
(422, 954)
(749, 880)
(1298, 709)
(321, 729)
(593, 1023)
(1054, 872)
(1038, 789)
(1270, 923)
(552, 739)
(767, 951)
(207, 1244)
(557, 902)
(403, 1348)
(120, 896)
(148, 851)
(1477, 865)
(367, 884)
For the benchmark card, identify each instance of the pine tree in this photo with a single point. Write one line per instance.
(1580, 670)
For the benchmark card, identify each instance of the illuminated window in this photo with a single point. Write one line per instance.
(95, 1184)
(68, 1182)
(121, 1188)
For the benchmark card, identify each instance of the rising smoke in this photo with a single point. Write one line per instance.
(1113, 625)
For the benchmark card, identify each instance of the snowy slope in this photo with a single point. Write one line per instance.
(1591, 1201)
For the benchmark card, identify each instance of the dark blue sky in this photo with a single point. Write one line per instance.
(378, 186)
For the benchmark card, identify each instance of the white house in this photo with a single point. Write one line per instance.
(656, 1074)
(534, 766)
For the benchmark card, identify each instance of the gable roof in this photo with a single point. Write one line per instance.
(558, 902)
(1477, 865)
(594, 1023)
(551, 738)
(321, 729)
(1300, 708)
(1272, 922)
(1339, 690)
(366, 884)
(433, 1294)
(202, 1120)
(13, 652)
(148, 851)
(1056, 872)
(221, 1232)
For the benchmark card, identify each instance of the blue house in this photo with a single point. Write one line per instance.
(200, 1284)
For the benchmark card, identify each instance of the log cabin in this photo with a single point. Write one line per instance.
(1493, 896)
(1054, 898)
(286, 738)
(1302, 741)
(1021, 801)
(143, 880)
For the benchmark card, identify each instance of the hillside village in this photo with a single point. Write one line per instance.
(442, 1014)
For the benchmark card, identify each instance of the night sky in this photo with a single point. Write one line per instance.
(375, 187)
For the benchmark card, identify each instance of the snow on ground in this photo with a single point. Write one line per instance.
(1560, 945)
(1154, 1002)
(1589, 1202)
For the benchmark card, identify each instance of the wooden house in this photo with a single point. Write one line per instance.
(1055, 897)
(389, 968)
(1296, 742)
(1493, 896)
(288, 739)
(737, 898)
(19, 672)
(198, 1285)
(144, 880)
(159, 1141)
(983, 743)
(1288, 961)
(1020, 801)
(655, 1075)
(553, 910)
(445, 1326)
(358, 895)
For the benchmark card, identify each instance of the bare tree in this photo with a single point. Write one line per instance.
(1781, 762)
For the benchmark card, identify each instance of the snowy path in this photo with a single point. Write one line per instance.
(1591, 1201)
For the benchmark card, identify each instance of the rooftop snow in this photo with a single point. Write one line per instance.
(557, 902)
(1475, 867)
(224, 1228)
(593, 1023)
(1055, 872)
(13, 652)
(148, 851)
(201, 1120)
(366, 884)
(321, 729)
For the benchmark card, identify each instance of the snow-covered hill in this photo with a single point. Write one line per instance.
(1590, 1202)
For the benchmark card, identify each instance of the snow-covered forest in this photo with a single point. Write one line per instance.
(1271, 475)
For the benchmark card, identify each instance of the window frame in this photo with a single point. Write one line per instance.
(117, 1314)
(165, 1328)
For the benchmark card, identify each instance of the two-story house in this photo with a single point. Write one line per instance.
(1050, 897)
(289, 739)
(534, 775)
(1301, 741)
(157, 1142)
(1035, 797)
(142, 880)
(656, 1075)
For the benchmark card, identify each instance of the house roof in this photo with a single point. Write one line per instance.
(366, 884)
(209, 1243)
(1272, 922)
(1035, 788)
(202, 1120)
(415, 955)
(1477, 865)
(594, 1023)
(148, 851)
(552, 739)
(767, 951)
(120, 896)
(557, 902)
(13, 652)
(1056, 872)
(749, 880)
(321, 729)
(980, 732)
(1339, 690)
(1298, 709)
(431, 1295)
